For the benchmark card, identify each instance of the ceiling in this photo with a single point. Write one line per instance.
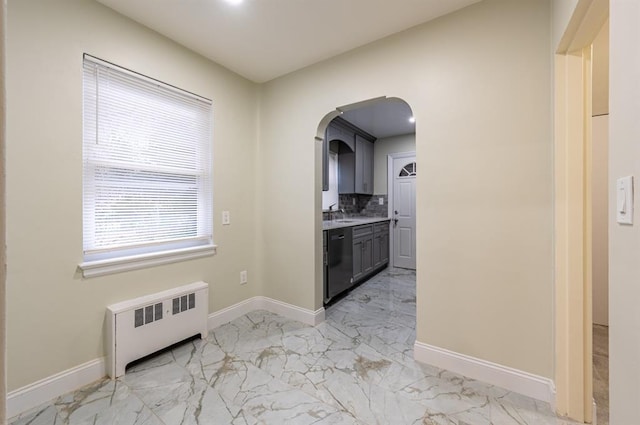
(264, 39)
(385, 118)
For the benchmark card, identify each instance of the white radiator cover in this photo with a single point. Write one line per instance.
(144, 325)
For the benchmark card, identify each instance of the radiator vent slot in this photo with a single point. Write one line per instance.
(147, 314)
(144, 325)
(184, 303)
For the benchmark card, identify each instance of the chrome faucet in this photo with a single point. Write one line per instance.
(331, 212)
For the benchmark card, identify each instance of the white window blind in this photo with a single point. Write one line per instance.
(147, 165)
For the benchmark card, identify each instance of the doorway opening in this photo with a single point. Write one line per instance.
(580, 226)
(359, 228)
(402, 171)
(600, 222)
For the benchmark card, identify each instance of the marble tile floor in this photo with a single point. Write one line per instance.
(355, 368)
(601, 372)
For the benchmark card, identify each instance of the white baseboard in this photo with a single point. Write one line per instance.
(293, 312)
(289, 311)
(45, 390)
(230, 313)
(515, 380)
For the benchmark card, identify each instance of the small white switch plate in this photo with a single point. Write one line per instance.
(353, 201)
(624, 200)
(380, 201)
(226, 218)
(243, 277)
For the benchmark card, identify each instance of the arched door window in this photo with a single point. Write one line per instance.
(408, 170)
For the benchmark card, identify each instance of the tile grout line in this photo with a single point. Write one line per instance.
(132, 391)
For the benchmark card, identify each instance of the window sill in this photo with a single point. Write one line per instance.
(134, 262)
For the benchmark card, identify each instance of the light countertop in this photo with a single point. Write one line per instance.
(351, 221)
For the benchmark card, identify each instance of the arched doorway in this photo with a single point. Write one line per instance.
(387, 128)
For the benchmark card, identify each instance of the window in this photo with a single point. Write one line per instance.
(147, 187)
(409, 170)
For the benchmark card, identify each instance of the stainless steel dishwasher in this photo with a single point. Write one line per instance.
(339, 262)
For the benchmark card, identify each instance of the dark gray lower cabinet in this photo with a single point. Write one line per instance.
(370, 248)
(370, 253)
(380, 244)
(362, 251)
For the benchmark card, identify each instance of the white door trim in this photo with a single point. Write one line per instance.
(390, 177)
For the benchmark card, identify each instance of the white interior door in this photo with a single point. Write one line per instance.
(403, 218)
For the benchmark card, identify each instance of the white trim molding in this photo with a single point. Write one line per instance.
(141, 261)
(293, 312)
(537, 387)
(45, 390)
(230, 313)
(289, 311)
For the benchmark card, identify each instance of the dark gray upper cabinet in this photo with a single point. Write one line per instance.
(346, 170)
(355, 168)
(325, 164)
(341, 130)
(355, 158)
(363, 166)
(337, 131)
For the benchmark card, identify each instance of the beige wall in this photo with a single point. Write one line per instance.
(56, 317)
(624, 241)
(484, 193)
(382, 148)
(600, 105)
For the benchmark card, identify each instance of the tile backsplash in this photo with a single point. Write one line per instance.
(364, 205)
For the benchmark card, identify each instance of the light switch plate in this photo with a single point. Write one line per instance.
(381, 201)
(226, 217)
(624, 200)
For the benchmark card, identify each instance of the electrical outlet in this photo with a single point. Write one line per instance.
(226, 217)
(353, 201)
(243, 277)
(381, 201)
